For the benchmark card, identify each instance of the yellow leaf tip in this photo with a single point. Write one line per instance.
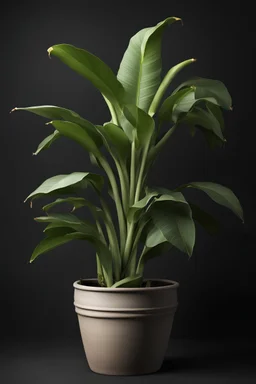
(49, 122)
(14, 109)
(49, 50)
(231, 108)
(193, 59)
(178, 19)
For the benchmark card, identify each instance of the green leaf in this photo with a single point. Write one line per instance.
(165, 112)
(173, 223)
(129, 282)
(68, 220)
(92, 68)
(140, 68)
(149, 253)
(220, 194)
(143, 124)
(166, 82)
(207, 221)
(210, 88)
(102, 250)
(47, 142)
(50, 243)
(64, 184)
(76, 202)
(115, 140)
(77, 133)
(205, 120)
(216, 111)
(57, 231)
(52, 112)
(136, 209)
(187, 102)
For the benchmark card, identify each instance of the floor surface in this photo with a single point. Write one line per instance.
(186, 362)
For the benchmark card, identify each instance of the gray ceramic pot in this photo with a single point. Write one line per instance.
(125, 331)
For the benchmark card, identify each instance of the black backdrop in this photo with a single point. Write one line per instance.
(217, 291)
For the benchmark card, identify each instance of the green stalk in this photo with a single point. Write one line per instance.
(100, 272)
(141, 174)
(161, 142)
(119, 208)
(140, 266)
(113, 241)
(165, 83)
(129, 242)
(132, 173)
(112, 111)
(124, 184)
(130, 266)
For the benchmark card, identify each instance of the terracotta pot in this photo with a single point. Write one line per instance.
(125, 331)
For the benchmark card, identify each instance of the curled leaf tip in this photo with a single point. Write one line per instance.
(179, 19)
(49, 50)
(231, 108)
(31, 204)
(14, 109)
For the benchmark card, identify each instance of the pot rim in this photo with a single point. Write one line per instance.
(171, 284)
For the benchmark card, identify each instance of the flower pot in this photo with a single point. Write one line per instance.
(125, 331)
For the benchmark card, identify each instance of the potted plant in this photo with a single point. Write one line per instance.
(125, 321)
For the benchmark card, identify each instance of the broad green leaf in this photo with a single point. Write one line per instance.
(165, 83)
(173, 223)
(216, 111)
(143, 124)
(64, 184)
(149, 253)
(204, 119)
(47, 142)
(207, 221)
(52, 112)
(115, 140)
(185, 104)
(50, 243)
(220, 194)
(68, 220)
(140, 68)
(77, 133)
(76, 202)
(92, 68)
(210, 88)
(165, 112)
(136, 209)
(57, 231)
(103, 253)
(129, 282)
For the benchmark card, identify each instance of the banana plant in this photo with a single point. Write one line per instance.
(145, 111)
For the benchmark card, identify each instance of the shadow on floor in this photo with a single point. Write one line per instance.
(216, 362)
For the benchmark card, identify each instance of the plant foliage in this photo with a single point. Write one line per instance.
(140, 103)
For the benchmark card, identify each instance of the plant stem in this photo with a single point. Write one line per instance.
(140, 266)
(132, 173)
(124, 184)
(112, 111)
(161, 142)
(131, 261)
(141, 174)
(119, 208)
(113, 241)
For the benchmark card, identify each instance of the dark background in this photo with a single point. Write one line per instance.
(217, 294)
